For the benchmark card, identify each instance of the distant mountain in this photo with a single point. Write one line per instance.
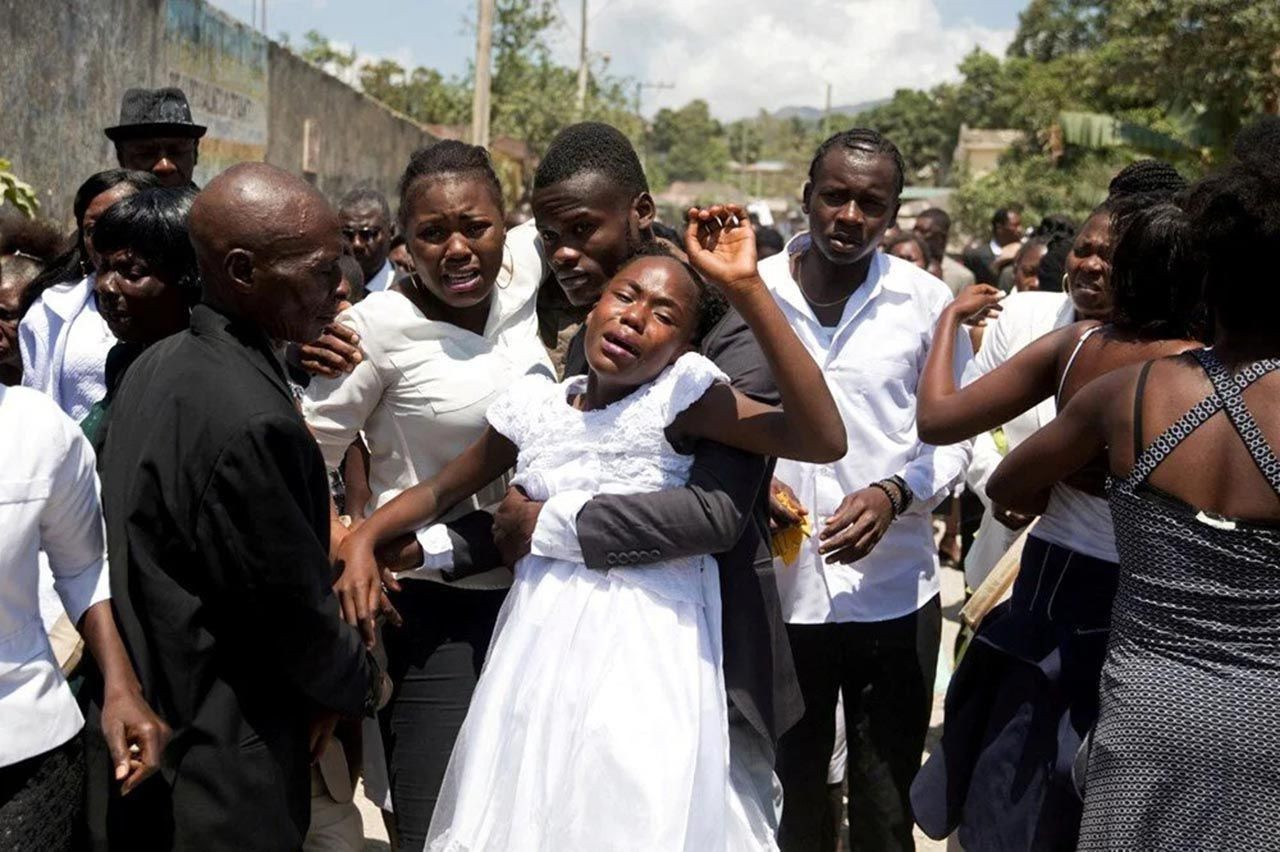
(814, 114)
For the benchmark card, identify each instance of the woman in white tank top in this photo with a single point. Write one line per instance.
(1026, 691)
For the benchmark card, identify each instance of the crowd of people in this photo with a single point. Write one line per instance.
(594, 532)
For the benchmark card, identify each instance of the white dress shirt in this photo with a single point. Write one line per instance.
(64, 343)
(421, 393)
(382, 280)
(872, 359)
(48, 501)
(1025, 318)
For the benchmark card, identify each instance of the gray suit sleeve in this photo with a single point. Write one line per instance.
(709, 514)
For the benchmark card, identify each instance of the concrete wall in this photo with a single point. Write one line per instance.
(354, 139)
(66, 64)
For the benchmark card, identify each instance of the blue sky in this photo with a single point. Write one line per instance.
(778, 53)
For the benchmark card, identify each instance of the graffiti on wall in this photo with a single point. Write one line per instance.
(222, 66)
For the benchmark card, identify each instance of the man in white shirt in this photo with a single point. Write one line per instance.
(861, 599)
(365, 219)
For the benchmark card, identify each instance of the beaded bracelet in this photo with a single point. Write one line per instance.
(895, 501)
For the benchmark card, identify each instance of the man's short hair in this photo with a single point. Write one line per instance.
(1001, 216)
(592, 146)
(366, 196)
(867, 141)
(938, 215)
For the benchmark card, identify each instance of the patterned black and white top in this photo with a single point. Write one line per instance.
(1186, 753)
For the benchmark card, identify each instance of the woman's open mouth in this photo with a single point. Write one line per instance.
(615, 347)
(465, 281)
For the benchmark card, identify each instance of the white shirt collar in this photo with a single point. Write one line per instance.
(68, 301)
(879, 278)
(382, 279)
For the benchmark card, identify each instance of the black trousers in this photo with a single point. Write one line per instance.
(434, 661)
(886, 670)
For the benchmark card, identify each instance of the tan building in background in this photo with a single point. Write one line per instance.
(978, 151)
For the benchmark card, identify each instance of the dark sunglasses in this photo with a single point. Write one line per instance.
(366, 234)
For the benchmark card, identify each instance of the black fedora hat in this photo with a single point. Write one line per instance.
(154, 112)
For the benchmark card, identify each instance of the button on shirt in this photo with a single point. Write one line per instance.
(48, 501)
(872, 359)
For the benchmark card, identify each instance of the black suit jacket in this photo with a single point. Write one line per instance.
(981, 261)
(723, 510)
(216, 504)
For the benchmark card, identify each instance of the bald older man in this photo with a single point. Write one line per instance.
(218, 527)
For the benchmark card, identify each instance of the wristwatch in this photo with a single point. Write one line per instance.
(900, 496)
(907, 497)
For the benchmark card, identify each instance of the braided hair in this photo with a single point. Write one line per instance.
(867, 141)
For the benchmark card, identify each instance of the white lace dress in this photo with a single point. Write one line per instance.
(599, 722)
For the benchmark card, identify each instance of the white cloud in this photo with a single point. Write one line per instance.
(751, 54)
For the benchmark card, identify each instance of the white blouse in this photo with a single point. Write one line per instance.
(48, 501)
(420, 395)
(64, 343)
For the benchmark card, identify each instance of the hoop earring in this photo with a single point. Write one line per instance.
(1065, 276)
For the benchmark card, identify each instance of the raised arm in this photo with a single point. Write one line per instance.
(946, 414)
(1077, 436)
(721, 245)
(706, 515)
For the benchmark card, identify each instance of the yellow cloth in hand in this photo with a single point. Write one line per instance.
(787, 542)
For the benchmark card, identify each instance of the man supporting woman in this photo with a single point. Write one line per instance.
(600, 721)
(593, 208)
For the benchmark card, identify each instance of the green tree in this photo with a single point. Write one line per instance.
(318, 50)
(533, 97)
(690, 142)
(921, 129)
(1041, 185)
(1049, 29)
(16, 192)
(422, 94)
(1218, 58)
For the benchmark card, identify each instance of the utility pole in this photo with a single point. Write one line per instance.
(582, 65)
(480, 100)
(640, 87)
(826, 114)
(264, 17)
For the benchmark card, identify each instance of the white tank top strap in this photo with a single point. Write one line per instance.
(1074, 352)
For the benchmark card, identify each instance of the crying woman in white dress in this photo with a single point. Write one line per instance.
(600, 721)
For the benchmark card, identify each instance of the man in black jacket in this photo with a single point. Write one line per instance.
(984, 257)
(592, 206)
(217, 517)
